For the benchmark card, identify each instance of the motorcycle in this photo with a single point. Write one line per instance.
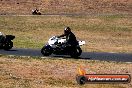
(6, 43)
(36, 12)
(57, 46)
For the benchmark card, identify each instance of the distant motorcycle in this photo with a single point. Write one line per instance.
(36, 12)
(6, 43)
(55, 46)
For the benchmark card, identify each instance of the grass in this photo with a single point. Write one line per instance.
(65, 6)
(22, 72)
(112, 33)
(105, 33)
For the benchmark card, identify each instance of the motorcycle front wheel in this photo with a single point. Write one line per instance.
(46, 50)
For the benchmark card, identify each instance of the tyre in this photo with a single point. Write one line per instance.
(81, 80)
(8, 45)
(76, 53)
(79, 51)
(39, 13)
(46, 50)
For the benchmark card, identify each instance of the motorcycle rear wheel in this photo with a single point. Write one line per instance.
(8, 45)
(76, 53)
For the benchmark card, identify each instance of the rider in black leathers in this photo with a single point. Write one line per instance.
(70, 38)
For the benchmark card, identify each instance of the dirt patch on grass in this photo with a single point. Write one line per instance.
(50, 72)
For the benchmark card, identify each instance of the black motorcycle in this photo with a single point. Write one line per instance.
(6, 42)
(36, 12)
(57, 46)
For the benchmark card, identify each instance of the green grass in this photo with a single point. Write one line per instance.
(113, 31)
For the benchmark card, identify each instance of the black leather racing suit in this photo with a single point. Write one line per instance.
(70, 40)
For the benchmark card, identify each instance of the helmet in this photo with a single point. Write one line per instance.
(67, 30)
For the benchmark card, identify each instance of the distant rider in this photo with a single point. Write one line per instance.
(35, 11)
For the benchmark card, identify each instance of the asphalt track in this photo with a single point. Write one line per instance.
(118, 57)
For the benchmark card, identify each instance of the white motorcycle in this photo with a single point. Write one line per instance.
(56, 46)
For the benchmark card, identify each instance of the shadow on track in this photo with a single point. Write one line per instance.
(11, 50)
